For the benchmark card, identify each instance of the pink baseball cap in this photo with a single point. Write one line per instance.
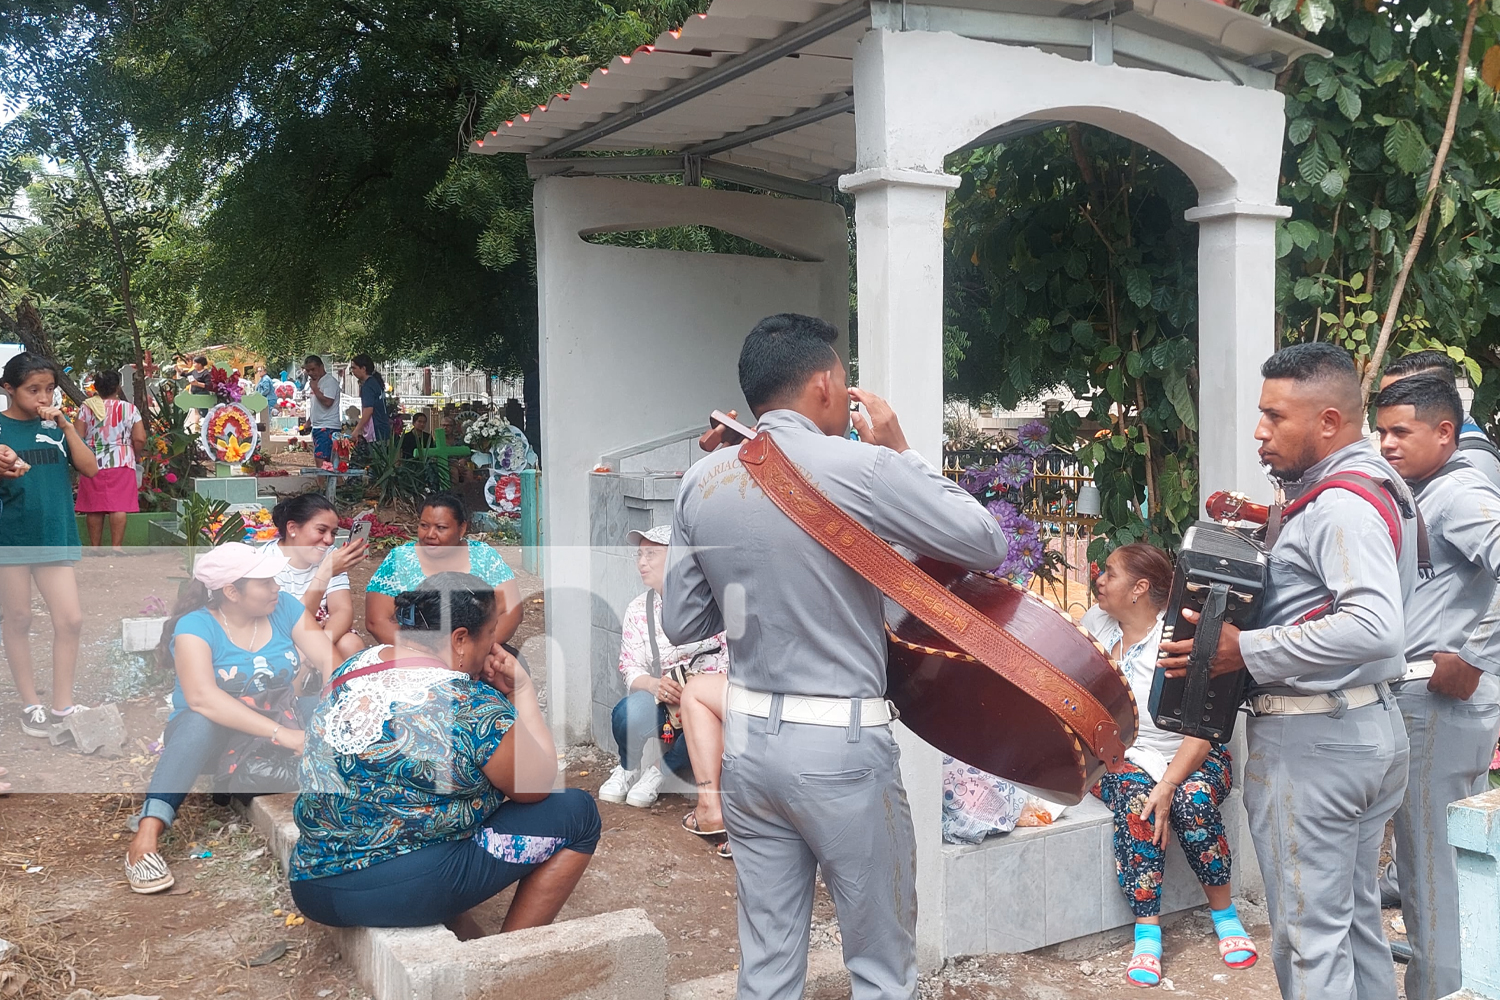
(220, 566)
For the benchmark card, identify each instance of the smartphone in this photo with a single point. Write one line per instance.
(734, 431)
(361, 531)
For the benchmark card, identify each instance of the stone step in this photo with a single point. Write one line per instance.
(613, 956)
(826, 978)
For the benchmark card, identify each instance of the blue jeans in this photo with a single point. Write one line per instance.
(436, 883)
(193, 746)
(638, 718)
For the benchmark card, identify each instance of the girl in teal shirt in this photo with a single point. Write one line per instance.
(39, 535)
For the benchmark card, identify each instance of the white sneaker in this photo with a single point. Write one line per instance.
(644, 792)
(617, 784)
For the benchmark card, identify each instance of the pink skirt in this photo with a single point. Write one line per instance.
(111, 490)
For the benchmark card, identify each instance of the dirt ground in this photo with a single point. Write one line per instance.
(63, 895)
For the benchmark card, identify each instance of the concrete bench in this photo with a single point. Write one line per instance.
(612, 956)
(1038, 886)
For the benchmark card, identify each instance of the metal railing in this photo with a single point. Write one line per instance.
(420, 385)
(1050, 499)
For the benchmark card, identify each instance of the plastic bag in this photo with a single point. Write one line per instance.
(977, 804)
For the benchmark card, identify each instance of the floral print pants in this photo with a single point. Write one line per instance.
(1195, 818)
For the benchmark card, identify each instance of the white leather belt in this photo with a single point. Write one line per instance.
(1314, 704)
(1418, 670)
(812, 711)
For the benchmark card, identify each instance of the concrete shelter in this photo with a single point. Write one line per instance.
(797, 98)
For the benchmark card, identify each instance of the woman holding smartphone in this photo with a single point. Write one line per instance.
(317, 573)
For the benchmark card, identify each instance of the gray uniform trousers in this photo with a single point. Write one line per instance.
(1451, 745)
(797, 798)
(1318, 792)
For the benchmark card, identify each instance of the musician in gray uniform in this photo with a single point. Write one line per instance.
(1450, 694)
(1327, 748)
(1474, 445)
(810, 770)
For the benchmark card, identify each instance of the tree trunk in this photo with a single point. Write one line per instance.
(139, 382)
(1393, 308)
(26, 327)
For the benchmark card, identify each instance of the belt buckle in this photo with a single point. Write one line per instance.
(890, 706)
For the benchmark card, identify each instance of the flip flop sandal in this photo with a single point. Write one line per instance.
(148, 875)
(690, 824)
(1144, 962)
(723, 851)
(1228, 946)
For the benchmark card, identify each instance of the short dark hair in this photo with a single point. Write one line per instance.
(1317, 362)
(448, 501)
(24, 365)
(444, 603)
(312, 359)
(200, 360)
(364, 361)
(1433, 397)
(781, 354)
(106, 383)
(1424, 363)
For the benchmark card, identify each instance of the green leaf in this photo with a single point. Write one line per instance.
(1315, 14)
(1447, 209)
(1109, 354)
(1368, 316)
(1379, 219)
(1181, 398)
(1332, 183)
(1349, 103)
(1083, 333)
(1140, 448)
(1283, 242)
(1299, 130)
(1115, 386)
(1305, 288)
(1328, 88)
(1405, 147)
(1302, 232)
(1134, 364)
(1384, 74)
(1138, 286)
(1312, 165)
(1383, 119)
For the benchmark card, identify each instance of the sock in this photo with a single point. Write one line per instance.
(65, 711)
(1227, 924)
(1147, 942)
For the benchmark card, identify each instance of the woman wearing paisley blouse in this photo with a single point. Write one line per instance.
(427, 779)
(440, 548)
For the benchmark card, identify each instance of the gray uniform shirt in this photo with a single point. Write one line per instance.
(1335, 549)
(798, 620)
(1457, 610)
(1481, 459)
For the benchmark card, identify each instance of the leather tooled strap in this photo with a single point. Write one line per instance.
(946, 614)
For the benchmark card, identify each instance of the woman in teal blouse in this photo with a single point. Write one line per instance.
(440, 548)
(427, 780)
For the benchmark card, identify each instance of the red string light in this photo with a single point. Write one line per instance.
(624, 59)
(541, 107)
(702, 17)
(604, 70)
(479, 143)
(584, 85)
(510, 124)
(675, 32)
(526, 117)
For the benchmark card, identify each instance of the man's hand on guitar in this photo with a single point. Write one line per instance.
(880, 426)
(713, 438)
(1227, 658)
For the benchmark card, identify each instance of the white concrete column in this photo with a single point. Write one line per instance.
(898, 220)
(898, 217)
(1236, 324)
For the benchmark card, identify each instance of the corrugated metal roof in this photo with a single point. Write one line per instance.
(815, 74)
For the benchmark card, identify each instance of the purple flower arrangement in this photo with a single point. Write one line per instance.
(1026, 550)
(1032, 436)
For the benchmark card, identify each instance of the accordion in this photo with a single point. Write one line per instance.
(1221, 574)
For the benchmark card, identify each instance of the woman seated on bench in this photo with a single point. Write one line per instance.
(427, 779)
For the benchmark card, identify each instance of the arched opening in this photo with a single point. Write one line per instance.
(1070, 271)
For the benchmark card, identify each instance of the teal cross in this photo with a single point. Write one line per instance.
(442, 451)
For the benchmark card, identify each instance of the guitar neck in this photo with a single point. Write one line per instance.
(1226, 506)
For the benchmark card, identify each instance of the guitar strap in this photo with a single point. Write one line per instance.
(946, 614)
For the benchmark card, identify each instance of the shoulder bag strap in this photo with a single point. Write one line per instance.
(375, 668)
(954, 619)
(1387, 500)
(651, 631)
